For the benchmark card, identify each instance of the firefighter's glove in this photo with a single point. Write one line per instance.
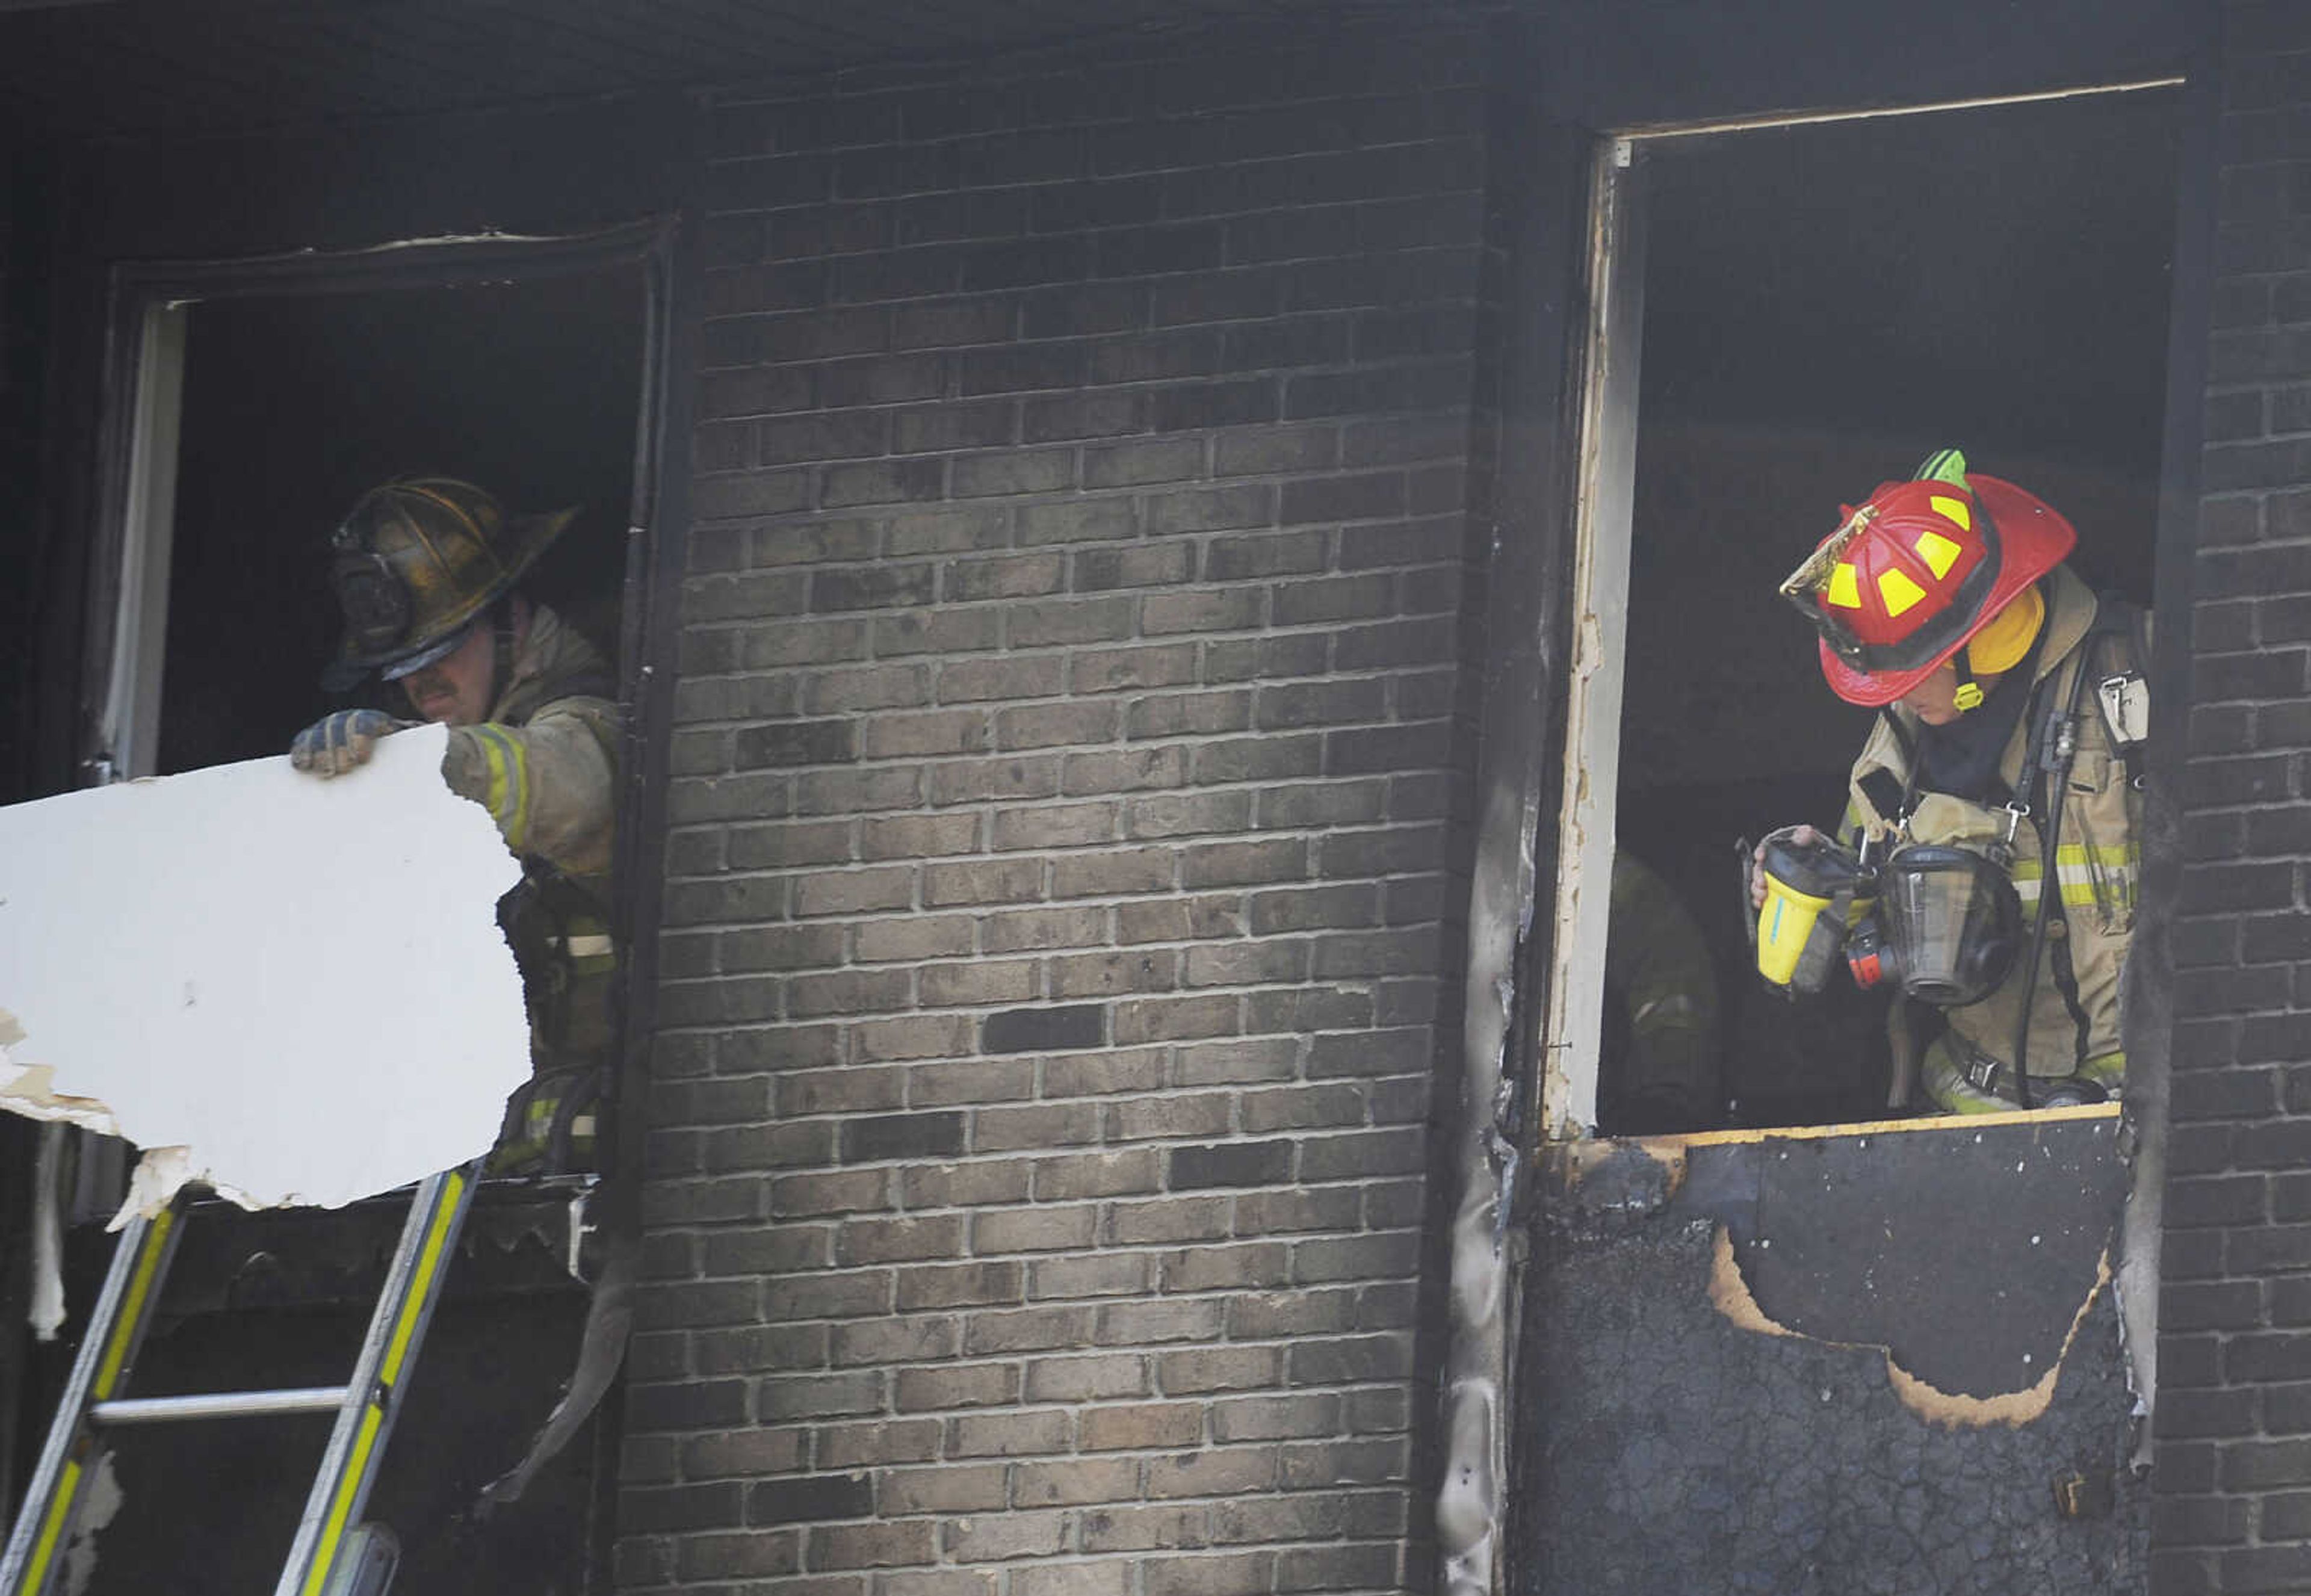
(334, 744)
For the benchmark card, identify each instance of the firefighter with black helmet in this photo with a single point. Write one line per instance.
(2011, 712)
(427, 572)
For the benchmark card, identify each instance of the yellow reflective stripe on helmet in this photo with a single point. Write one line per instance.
(1844, 587)
(1899, 592)
(509, 790)
(1938, 552)
(1952, 509)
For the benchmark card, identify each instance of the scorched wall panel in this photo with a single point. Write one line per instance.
(1068, 779)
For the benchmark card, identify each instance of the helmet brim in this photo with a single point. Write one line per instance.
(439, 648)
(528, 538)
(2034, 537)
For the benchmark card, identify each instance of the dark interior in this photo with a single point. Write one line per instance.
(1824, 305)
(294, 406)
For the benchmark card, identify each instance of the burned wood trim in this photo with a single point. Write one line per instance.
(449, 261)
(1599, 587)
(2148, 1022)
(650, 642)
(1541, 194)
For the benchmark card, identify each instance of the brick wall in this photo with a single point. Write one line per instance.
(2233, 1459)
(1069, 779)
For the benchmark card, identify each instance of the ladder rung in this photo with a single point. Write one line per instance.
(224, 1404)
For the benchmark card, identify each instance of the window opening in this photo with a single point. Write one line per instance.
(1813, 308)
(295, 408)
(253, 405)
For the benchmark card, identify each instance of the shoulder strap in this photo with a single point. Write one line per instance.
(1890, 796)
(2119, 637)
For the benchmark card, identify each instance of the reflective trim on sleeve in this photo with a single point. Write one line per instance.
(509, 792)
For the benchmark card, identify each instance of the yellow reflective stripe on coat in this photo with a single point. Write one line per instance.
(585, 941)
(2089, 874)
(509, 790)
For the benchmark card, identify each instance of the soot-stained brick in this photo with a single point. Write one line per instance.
(1043, 1030)
(812, 1498)
(902, 1135)
(1230, 1164)
(975, 498)
(795, 742)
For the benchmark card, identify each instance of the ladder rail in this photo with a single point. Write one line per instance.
(108, 1350)
(330, 1532)
(381, 1375)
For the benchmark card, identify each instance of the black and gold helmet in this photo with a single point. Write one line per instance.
(416, 562)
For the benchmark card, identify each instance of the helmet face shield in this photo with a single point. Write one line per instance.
(376, 605)
(1954, 920)
(416, 562)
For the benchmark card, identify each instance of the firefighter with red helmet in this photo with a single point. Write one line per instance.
(427, 572)
(1993, 806)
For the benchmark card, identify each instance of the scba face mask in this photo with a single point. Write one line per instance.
(1949, 926)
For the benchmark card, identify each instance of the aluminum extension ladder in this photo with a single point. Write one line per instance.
(334, 1554)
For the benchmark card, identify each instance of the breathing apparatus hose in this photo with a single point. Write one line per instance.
(2060, 740)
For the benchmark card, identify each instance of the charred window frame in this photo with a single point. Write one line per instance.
(122, 614)
(143, 367)
(1562, 1035)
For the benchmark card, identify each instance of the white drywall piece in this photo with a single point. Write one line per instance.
(295, 990)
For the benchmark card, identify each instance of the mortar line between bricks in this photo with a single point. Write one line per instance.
(1386, 672)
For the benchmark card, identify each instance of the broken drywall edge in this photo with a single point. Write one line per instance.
(1729, 1295)
(30, 1090)
(163, 1172)
(295, 990)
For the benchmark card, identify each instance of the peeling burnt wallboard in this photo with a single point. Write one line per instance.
(292, 989)
(1722, 1369)
(1964, 1250)
(1670, 1448)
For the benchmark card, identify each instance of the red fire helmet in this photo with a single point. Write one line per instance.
(1909, 576)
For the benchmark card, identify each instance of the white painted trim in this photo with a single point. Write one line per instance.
(1601, 608)
(1878, 113)
(131, 724)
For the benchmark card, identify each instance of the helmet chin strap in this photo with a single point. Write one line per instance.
(1968, 695)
